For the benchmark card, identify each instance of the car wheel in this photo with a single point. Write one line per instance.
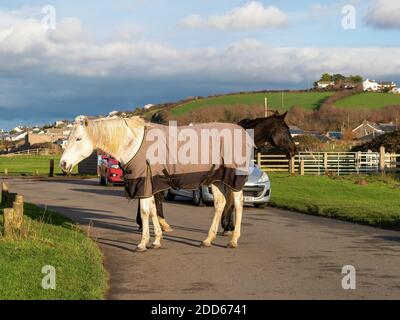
(168, 195)
(198, 198)
(261, 205)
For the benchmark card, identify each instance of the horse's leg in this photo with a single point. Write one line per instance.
(145, 209)
(227, 215)
(138, 217)
(238, 202)
(219, 205)
(156, 225)
(159, 197)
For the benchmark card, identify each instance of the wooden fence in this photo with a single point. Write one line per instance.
(340, 163)
(38, 151)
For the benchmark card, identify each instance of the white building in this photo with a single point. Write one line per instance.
(374, 86)
(148, 106)
(395, 90)
(371, 85)
(325, 84)
(17, 129)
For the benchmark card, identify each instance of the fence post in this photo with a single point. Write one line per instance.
(259, 159)
(382, 158)
(325, 161)
(51, 173)
(4, 193)
(8, 217)
(291, 166)
(5, 171)
(18, 207)
(301, 168)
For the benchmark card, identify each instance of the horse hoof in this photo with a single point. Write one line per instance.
(227, 233)
(205, 244)
(232, 245)
(167, 229)
(156, 246)
(140, 249)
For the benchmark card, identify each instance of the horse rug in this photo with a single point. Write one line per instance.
(187, 157)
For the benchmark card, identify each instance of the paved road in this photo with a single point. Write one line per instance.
(281, 254)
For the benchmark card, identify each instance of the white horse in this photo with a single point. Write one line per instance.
(122, 138)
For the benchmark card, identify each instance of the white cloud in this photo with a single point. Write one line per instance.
(69, 50)
(66, 68)
(384, 14)
(252, 15)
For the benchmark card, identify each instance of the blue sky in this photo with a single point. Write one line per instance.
(107, 55)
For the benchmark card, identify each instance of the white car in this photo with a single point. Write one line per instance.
(257, 191)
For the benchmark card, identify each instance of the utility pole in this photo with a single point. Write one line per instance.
(266, 107)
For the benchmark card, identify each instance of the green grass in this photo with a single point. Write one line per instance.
(50, 239)
(28, 165)
(369, 100)
(376, 204)
(308, 100)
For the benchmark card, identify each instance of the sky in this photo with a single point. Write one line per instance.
(60, 59)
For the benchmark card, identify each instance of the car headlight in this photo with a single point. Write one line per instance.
(264, 178)
(115, 166)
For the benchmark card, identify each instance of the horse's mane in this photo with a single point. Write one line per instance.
(107, 133)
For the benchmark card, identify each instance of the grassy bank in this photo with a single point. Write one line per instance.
(369, 100)
(375, 201)
(308, 100)
(50, 239)
(29, 165)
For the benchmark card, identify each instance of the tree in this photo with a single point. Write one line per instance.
(337, 77)
(326, 77)
(356, 79)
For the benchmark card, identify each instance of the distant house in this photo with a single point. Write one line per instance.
(325, 84)
(295, 131)
(148, 106)
(395, 90)
(372, 129)
(387, 86)
(374, 86)
(370, 85)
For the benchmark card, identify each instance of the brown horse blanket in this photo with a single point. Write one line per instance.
(187, 157)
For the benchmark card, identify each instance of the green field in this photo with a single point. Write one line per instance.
(308, 100)
(28, 165)
(369, 100)
(50, 239)
(376, 204)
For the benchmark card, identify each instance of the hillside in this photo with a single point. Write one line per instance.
(307, 100)
(369, 100)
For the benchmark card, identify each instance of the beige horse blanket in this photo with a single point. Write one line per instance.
(187, 157)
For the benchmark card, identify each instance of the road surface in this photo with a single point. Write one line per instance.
(281, 255)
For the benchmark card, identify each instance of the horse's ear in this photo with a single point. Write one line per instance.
(283, 116)
(83, 120)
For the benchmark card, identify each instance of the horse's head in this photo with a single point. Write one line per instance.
(79, 145)
(281, 137)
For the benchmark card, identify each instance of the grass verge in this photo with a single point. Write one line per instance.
(30, 165)
(49, 239)
(370, 200)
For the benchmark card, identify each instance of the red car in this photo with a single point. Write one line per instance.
(109, 171)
